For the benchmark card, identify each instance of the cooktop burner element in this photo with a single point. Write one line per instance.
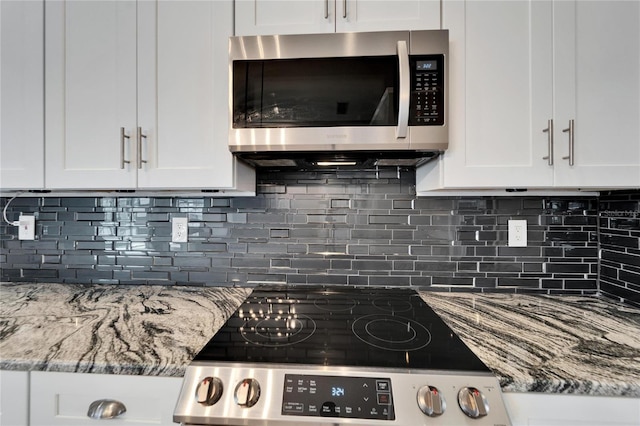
(392, 305)
(364, 356)
(335, 304)
(393, 333)
(272, 331)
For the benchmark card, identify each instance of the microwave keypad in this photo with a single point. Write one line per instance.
(427, 95)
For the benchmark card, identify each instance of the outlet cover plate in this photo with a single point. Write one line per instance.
(26, 227)
(517, 233)
(179, 229)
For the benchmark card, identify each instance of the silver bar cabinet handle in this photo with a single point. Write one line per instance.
(140, 137)
(571, 130)
(344, 9)
(123, 136)
(326, 9)
(549, 130)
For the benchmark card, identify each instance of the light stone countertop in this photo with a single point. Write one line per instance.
(559, 344)
(143, 330)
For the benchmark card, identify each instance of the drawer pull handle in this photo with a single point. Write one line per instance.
(106, 409)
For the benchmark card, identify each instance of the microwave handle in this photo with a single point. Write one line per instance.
(403, 98)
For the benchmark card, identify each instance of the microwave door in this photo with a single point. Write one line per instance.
(316, 92)
(404, 85)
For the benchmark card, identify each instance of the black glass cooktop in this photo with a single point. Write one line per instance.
(339, 326)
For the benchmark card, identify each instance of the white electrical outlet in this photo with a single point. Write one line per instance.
(179, 229)
(26, 227)
(517, 233)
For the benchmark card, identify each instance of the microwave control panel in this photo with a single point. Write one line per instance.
(427, 90)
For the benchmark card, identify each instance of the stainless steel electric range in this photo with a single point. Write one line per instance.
(323, 355)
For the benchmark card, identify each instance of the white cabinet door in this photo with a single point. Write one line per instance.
(500, 93)
(22, 100)
(597, 84)
(376, 15)
(64, 398)
(90, 84)
(540, 409)
(137, 96)
(183, 76)
(14, 398)
(260, 17)
(516, 65)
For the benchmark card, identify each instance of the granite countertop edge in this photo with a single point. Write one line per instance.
(519, 368)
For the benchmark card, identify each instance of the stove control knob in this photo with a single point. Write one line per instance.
(247, 393)
(209, 391)
(430, 401)
(472, 402)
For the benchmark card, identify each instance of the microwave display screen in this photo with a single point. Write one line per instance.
(426, 65)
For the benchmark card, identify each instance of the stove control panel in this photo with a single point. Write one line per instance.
(246, 394)
(337, 396)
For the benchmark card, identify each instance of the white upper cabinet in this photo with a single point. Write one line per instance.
(90, 102)
(518, 67)
(499, 96)
(597, 85)
(261, 17)
(137, 96)
(284, 17)
(376, 15)
(183, 86)
(22, 88)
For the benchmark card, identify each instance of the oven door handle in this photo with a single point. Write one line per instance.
(404, 95)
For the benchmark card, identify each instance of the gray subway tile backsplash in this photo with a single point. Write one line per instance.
(334, 227)
(619, 225)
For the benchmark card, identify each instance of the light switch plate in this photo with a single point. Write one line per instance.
(26, 227)
(179, 229)
(517, 233)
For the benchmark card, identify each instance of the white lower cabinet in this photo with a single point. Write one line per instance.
(64, 398)
(542, 409)
(14, 398)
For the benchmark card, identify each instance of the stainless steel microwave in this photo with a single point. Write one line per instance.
(377, 95)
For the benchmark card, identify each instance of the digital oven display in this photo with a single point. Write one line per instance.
(427, 65)
(337, 396)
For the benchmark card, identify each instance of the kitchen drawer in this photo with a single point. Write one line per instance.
(64, 398)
